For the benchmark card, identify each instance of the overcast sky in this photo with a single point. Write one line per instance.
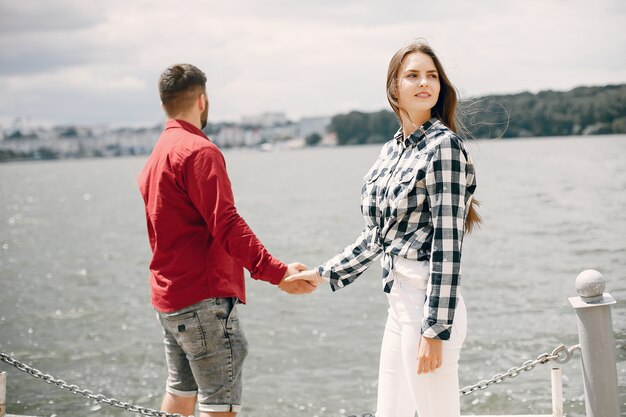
(97, 61)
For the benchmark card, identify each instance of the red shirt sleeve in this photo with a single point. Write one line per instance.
(208, 186)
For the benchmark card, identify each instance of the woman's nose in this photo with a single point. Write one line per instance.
(423, 82)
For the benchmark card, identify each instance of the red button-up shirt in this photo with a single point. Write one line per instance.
(200, 244)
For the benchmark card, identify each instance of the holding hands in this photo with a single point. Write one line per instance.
(310, 276)
(297, 280)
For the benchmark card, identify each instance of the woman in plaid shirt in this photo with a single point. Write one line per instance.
(417, 201)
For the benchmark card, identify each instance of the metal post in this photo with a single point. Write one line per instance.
(557, 392)
(3, 393)
(597, 344)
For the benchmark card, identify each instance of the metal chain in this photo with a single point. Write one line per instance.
(75, 389)
(560, 355)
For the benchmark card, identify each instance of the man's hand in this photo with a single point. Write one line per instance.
(311, 276)
(428, 355)
(296, 287)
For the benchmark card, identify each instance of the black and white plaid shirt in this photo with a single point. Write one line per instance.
(414, 201)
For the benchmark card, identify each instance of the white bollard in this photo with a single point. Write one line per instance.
(557, 392)
(597, 344)
(3, 393)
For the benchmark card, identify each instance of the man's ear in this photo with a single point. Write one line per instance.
(201, 100)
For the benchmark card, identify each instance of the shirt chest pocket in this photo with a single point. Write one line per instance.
(371, 180)
(407, 183)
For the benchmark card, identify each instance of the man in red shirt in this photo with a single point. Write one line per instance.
(200, 246)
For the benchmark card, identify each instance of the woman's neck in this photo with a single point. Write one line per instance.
(411, 125)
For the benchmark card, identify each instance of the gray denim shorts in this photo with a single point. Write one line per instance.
(205, 348)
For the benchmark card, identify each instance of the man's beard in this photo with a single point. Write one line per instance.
(204, 117)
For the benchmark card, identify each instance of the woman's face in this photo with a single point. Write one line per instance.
(418, 85)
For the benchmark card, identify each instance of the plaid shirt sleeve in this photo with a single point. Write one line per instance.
(446, 188)
(346, 267)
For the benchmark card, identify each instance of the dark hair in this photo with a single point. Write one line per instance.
(179, 85)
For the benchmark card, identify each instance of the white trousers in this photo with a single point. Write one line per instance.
(401, 391)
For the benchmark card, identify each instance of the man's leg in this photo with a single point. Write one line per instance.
(176, 404)
(219, 374)
(181, 391)
(205, 349)
(186, 406)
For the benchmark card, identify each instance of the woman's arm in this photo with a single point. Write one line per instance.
(345, 267)
(446, 186)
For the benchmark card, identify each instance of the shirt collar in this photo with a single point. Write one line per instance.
(181, 124)
(416, 136)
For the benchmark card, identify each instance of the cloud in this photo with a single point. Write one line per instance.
(41, 16)
(303, 58)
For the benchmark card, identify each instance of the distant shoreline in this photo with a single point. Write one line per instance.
(4, 159)
(582, 111)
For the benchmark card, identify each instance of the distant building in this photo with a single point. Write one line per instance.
(279, 133)
(265, 119)
(24, 140)
(310, 125)
(329, 139)
(232, 136)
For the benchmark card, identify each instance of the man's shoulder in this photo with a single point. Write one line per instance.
(186, 144)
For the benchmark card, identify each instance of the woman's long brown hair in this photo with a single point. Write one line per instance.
(444, 109)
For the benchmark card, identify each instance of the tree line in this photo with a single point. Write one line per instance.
(581, 111)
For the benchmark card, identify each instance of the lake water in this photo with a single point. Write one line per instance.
(74, 296)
